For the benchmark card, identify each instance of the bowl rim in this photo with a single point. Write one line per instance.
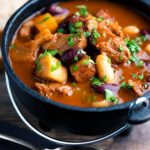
(31, 92)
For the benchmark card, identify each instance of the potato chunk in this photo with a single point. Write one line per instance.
(45, 21)
(104, 68)
(50, 68)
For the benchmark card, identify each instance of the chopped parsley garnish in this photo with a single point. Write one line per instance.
(13, 46)
(104, 34)
(133, 75)
(105, 78)
(70, 41)
(87, 34)
(120, 57)
(80, 51)
(75, 68)
(55, 67)
(109, 60)
(109, 40)
(141, 77)
(123, 85)
(94, 41)
(110, 96)
(71, 28)
(140, 63)
(38, 68)
(101, 18)
(83, 10)
(75, 58)
(85, 62)
(45, 19)
(96, 34)
(92, 98)
(121, 77)
(78, 24)
(62, 52)
(60, 30)
(120, 49)
(96, 81)
(74, 84)
(132, 45)
(130, 86)
(52, 52)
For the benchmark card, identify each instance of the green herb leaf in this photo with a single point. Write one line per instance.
(55, 67)
(140, 63)
(75, 68)
(71, 28)
(75, 58)
(133, 75)
(121, 77)
(141, 77)
(105, 78)
(96, 81)
(96, 34)
(110, 96)
(130, 86)
(38, 68)
(85, 62)
(74, 84)
(47, 18)
(61, 30)
(120, 56)
(120, 49)
(80, 51)
(83, 10)
(87, 34)
(78, 24)
(123, 85)
(52, 52)
(13, 46)
(93, 98)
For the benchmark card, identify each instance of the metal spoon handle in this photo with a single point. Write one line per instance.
(17, 141)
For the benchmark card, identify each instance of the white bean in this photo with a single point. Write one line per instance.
(104, 68)
(131, 30)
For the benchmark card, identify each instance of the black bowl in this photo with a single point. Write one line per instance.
(87, 121)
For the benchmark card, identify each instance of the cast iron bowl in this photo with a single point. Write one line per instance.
(86, 121)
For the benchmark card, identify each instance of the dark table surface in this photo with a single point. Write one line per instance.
(139, 139)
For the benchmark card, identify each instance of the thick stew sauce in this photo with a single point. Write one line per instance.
(84, 53)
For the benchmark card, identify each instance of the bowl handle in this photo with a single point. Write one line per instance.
(139, 110)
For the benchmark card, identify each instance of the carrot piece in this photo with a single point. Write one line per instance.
(45, 21)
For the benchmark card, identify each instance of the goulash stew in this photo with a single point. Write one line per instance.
(86, 54)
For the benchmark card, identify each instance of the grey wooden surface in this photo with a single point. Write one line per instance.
(139, 139)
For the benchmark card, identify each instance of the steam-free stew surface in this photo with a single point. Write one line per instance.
(83, 95)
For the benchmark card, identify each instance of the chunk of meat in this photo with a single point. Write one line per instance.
(43, 36)
(26, 29)
(59, 41)
(111, 49)
(24, 51)
(138, 87)
(111, 42)
(53, 88)
(83, 70)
